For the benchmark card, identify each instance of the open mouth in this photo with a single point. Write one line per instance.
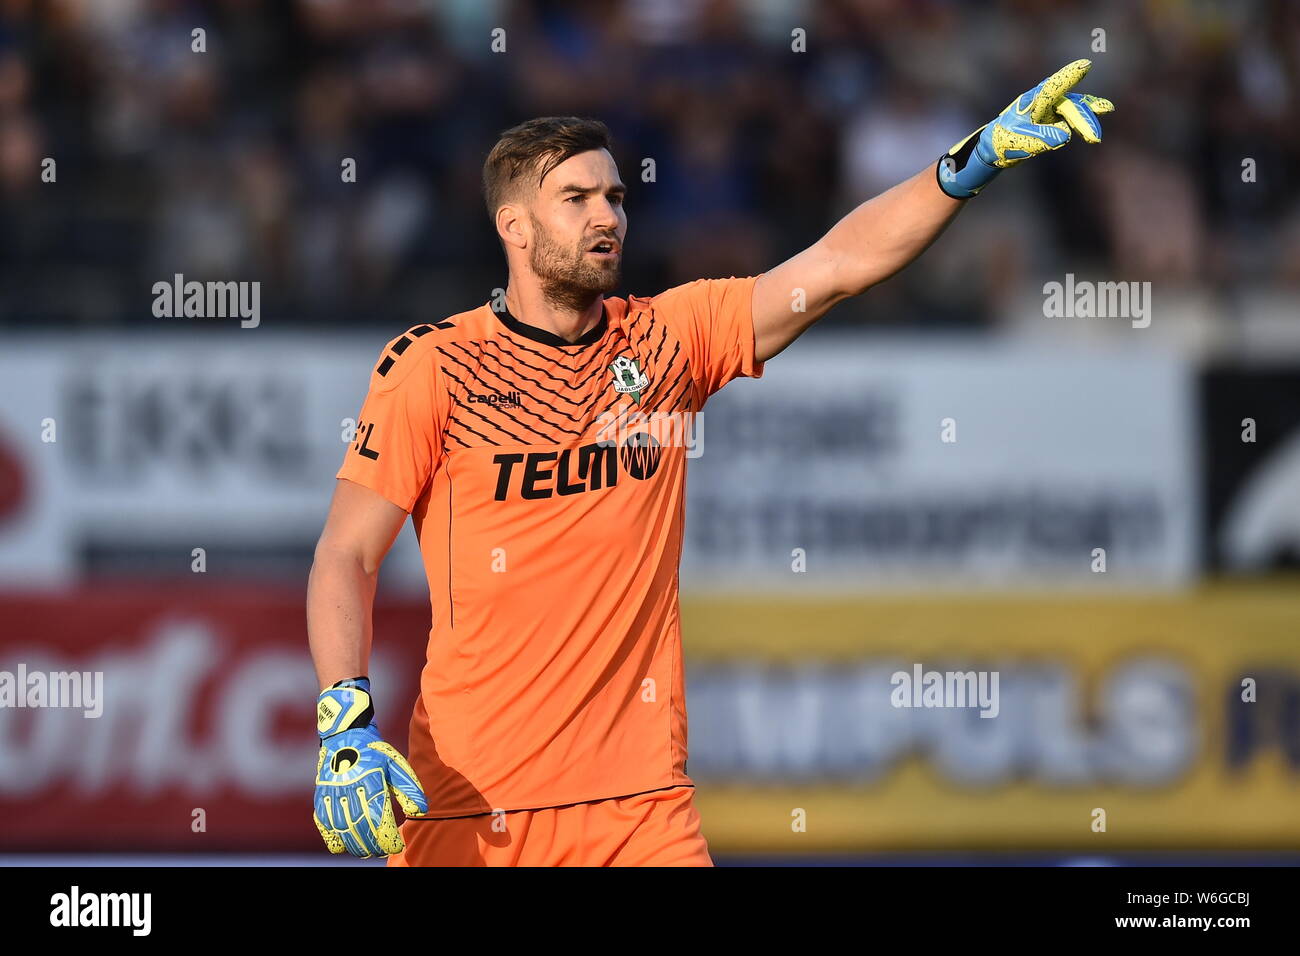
(606, 248)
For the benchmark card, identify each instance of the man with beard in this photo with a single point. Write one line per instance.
(540, 450)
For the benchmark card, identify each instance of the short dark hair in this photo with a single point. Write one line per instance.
(527, 152)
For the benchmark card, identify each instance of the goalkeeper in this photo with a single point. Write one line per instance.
(533, 702)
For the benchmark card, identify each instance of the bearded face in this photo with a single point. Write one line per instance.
(574, 272)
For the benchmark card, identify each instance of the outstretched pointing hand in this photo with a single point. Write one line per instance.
(1035, 122)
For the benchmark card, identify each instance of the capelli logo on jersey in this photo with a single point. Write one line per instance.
(499, 399)
(572, 471)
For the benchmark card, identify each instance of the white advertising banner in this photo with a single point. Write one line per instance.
(855, 463)
(858, 463)
(139, 449)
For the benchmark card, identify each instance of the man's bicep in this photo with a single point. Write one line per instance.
(361, 524)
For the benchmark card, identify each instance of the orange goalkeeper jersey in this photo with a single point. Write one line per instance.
(546, 484)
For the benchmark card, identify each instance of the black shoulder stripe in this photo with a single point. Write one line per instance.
(404, 343)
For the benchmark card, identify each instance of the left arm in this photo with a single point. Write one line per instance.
(884, 234)
(867, 246)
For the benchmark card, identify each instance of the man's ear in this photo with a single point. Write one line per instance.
(512, 226)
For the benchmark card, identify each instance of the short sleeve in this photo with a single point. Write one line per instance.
(714, 320)
(398, 442)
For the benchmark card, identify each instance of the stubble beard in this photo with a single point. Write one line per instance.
(569, 279)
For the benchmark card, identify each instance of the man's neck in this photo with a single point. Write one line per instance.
(533, 308)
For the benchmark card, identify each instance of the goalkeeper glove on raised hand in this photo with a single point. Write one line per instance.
(355, 773)
(1038, 120)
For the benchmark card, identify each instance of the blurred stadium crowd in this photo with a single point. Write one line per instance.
(226, 164)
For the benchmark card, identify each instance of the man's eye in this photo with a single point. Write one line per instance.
(575, 199)
(616, 200)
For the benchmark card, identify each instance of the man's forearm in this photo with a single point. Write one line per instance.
(885, 233)
(867, 246)
(356, 769)
(340, 602)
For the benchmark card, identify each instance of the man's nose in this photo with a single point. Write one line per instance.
(604, 215)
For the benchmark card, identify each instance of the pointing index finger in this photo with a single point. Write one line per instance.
(1054, 88)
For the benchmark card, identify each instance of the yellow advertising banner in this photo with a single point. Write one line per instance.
(1087, 724)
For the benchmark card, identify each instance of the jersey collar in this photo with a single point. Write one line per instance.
(592, 335)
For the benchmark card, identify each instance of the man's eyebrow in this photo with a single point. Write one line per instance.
(575, 188)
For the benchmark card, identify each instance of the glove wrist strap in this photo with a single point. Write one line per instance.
(961, 172)
(344, 706)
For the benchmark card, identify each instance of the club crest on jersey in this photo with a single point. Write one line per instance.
(628, 377)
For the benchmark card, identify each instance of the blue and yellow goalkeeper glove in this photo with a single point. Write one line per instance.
(355, 773)
(1039, 120)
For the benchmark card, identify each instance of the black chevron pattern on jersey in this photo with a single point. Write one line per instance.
(561, 394)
